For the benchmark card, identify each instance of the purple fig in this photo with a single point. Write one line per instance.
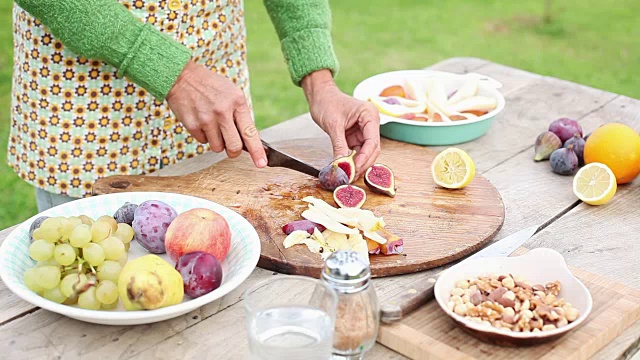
(380, 179)
(332, 176)
(578, 147)
(564, 161)
(349, 196)
(546, 143)
(565, 128)
(346, 163)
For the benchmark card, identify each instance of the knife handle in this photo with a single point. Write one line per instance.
(409, 300)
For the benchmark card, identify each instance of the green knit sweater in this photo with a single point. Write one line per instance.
(107, 31)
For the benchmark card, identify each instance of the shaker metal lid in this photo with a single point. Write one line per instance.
(346, 265)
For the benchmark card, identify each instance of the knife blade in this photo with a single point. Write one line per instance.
(400, 305)
(277, 158)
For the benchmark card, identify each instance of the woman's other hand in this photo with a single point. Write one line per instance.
(350, 123)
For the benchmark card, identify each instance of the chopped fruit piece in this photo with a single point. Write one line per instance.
(347, 164)
(398, 108)
(349, 196)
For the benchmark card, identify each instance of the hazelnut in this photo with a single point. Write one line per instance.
(561, 322)
(509, 311)
(550, 299)
(509, 295)
(508, 283)
(451, 305)
(535, 330)
(466, 299)
(571, 313)
(460, 309)
(456, 299)
(463, 284)
(525, 305)
(457, 292)
(548, 327)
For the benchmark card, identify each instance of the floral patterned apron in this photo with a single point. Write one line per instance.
(73, 120)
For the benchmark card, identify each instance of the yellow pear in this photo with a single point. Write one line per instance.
(148, 283)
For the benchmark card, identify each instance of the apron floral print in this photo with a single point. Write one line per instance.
(73, 120)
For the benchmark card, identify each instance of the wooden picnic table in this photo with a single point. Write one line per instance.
(603, 240)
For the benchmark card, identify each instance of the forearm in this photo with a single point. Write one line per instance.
(107, 31)
(304, 30)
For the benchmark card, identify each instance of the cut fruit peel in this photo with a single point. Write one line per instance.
(315, 215)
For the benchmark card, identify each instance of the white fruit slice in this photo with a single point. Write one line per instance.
(467, 90)
(400, 108)
(336, 240)
(362, 249)
(295, 238)
(415, 91)
(331, 211)
(315, 215)
(477, 103)
(367, 220)
(375, 237)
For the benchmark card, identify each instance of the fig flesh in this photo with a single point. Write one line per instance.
(349, 196)
(546, 143)
(379, 178)
(564, 161)
(578, 147)
(347, 164)
(565, 128)
(332, 176)
(304, 225)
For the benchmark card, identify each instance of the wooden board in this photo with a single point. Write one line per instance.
(429, 333)
(438, 225)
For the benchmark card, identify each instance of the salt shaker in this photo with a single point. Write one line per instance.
(357, 313)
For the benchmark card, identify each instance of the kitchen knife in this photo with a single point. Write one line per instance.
(402, 304)
(276, 158)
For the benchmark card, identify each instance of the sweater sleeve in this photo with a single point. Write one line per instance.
(107, 31)
(304, 30)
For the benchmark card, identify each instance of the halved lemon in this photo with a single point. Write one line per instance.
(397, 106)
(453, 169)
(595, 184)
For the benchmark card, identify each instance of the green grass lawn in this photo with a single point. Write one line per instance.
(594, 43)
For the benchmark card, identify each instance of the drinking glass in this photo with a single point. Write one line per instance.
(290, 317)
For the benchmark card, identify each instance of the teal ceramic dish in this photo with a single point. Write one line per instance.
(432, 133)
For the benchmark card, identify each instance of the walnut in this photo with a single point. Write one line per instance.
(484, 286)
(495, 283)
(553, 288)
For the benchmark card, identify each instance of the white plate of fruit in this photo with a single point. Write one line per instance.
(129, 258)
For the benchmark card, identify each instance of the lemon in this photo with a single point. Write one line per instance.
(397, 106)
(595, 184)
(453, 169)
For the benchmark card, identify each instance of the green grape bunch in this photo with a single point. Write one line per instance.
(79, 260)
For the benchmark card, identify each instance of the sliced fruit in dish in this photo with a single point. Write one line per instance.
(595, 184)
(453, 169)
(397, 106)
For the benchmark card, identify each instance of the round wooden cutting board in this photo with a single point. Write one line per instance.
(437, 225)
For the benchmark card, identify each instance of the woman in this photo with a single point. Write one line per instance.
(104, 87)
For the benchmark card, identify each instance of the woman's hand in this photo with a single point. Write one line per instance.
(350, 123)
(215, 111)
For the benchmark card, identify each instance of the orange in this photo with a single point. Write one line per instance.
(618, 147)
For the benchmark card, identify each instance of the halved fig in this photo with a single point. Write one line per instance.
(349, 196)
(332, 176)
(347, 165)
(379, 178)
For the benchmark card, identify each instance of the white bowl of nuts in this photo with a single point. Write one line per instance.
(514, 301)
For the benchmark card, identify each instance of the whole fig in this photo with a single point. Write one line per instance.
(125, 213)
(564, 161)
(332, 176)
(565, 128)
(546, 143)
(578, 147)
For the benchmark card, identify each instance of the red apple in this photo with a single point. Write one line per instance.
(198, 230)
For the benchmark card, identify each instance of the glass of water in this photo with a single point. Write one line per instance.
(290, 317)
